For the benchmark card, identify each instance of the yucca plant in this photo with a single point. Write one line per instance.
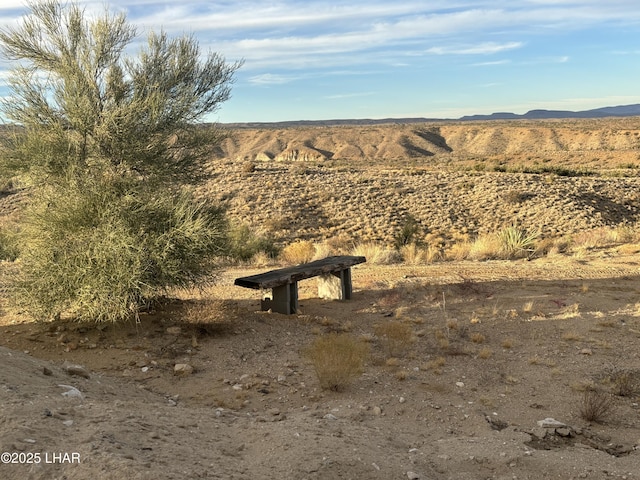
(517, 242)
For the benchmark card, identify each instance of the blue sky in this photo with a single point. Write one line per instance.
(312, 60)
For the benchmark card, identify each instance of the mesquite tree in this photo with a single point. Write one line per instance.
(108, 139)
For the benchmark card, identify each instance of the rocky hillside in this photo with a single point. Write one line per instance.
(460, 140)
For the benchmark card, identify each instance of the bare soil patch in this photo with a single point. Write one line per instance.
(496, 348)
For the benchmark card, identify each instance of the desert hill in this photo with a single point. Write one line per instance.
(456, 179)
(427, 139)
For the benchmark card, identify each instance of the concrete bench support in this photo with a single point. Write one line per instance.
(284, 299)
(335, 285)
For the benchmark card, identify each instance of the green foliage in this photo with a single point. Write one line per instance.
(99, 255)
(9, 247)
(244, 243)
(79, 98)
(516, 242)
(108, 142)
(407, 233)
(546, 169)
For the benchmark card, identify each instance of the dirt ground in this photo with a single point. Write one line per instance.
(497, 348)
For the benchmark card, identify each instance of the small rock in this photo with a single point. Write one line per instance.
(46, 371)
(413, 476)
(586, 351)
(377, 411)
(72, 392)
(282, 378)
(174, 330)
(144, 369)
(67, 423)
(330, 416)
(550, 423)
(459, 384)
(76, 370)
(563, 432)
(402, 399)
(238, 386)
(182, 369)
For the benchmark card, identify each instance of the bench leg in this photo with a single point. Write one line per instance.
(335, 285)
(284, 299)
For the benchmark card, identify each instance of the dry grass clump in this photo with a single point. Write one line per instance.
(458, 251)
(624, 382)
(413, 254)
(485, 247)
(301, 251)
(205, 311)
(485, 353)
(478, 338)
(337, 359)
(376, 254)
(435, 365)
(596, 405)
(395, 336)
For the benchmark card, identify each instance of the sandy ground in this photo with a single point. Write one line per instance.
(496, 348)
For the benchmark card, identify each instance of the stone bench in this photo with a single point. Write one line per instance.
(334, 282)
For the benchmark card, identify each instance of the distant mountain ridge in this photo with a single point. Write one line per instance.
(618, 111)
(540, 114)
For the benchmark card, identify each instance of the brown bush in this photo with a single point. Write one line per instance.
(596, 405)
(298, 252)
(395, 336)
(337, 359)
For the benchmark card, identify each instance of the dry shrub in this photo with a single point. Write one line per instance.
(376, 254)
(413, 254)
(623, 382)
(337, 359)
(324, 250)
(396, 337)
(458, 251)
(485, 353)
(341, 243)
(435, 365)
(596, 405)
(301, 251)
(205, 311)
(478, 338)
(625, 233)
(486, 247)
(598, 237)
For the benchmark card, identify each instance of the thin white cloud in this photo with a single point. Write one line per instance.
(486, 48)
(491, 64)
(341, 96)
(272, 79)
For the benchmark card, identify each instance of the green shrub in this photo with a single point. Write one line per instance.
(407, 233)
(516, 242)
(244, 243)
(9, 249)
(96, 254)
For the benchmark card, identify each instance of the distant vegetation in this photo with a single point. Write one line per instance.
(106, 145)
